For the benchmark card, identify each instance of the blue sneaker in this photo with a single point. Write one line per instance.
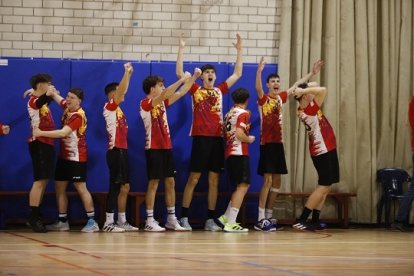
(275, 225)
(265, 225)
(91, 226)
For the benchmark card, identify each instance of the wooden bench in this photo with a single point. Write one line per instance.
(136, 200)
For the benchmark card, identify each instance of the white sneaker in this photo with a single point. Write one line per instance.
(58, 226)
(112, 227)
(174, 225)
(127, 227)
(184, 223)
(153, 227)
(91, 226)
(211, 225)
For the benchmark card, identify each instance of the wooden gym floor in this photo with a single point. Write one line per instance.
(363, 251)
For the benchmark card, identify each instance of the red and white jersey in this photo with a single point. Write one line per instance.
(1, 129)
(40, 118)
(116, 125)
(321, 135)
(270, 110)
(73, 146)
(156, 124)
(236, 118)
(207, 110)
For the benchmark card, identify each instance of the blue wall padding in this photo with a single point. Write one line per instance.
(92, 76)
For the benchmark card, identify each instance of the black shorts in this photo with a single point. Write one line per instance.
(272, 159)
(207, 154)
(43, 160)
(67, 170)
(327, 166)
(117, 160)
(160, 163)
(238, 169)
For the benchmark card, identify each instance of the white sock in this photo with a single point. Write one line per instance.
(227, 213)
(121, 217)
(150, 216)
(232, 215)
(269, 213)
(109, 218)
(261, 214)
(171, 213)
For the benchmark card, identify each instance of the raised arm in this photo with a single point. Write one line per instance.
(58, 133)
(179, 68)
(318, 92)
(238, 68)
(167, 92)
(124, 83)
(317, 66)
(184, 89)
(259, 85)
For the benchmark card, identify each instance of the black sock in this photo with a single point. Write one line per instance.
(211, 214)
(305, 214)
(315, 215)
(184, 212)
(34, 214)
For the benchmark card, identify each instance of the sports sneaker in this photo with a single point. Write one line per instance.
(265, 225)
(112, 227)
(153, 227)
(174, 225)
(223, 220)
(127, 227)
(234, 228)
(303, 226)
(90, 227)
(211, 225)
(184, 223)
(37, 226)
(401, 227)
(318, 226)
(58, 226)
(275, 225)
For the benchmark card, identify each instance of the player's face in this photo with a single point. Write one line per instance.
(43, 86)
(72, 101)
(208, 77)
(157, 89)
(273, 84)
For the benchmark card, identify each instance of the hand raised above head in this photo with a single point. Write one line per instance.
(317, 66)
(238, 43)
(261, 64)
(186, 75)
(181, 42)
(128, 68)
(197, 72)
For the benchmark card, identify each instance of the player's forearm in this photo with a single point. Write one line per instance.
(179, 68)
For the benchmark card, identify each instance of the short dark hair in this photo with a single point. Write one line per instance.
(77, 91)
(240, 95)
(39, 78)
(303, 85)
(111, 87)
(149, 82)
(206, 67)
(271, 76)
